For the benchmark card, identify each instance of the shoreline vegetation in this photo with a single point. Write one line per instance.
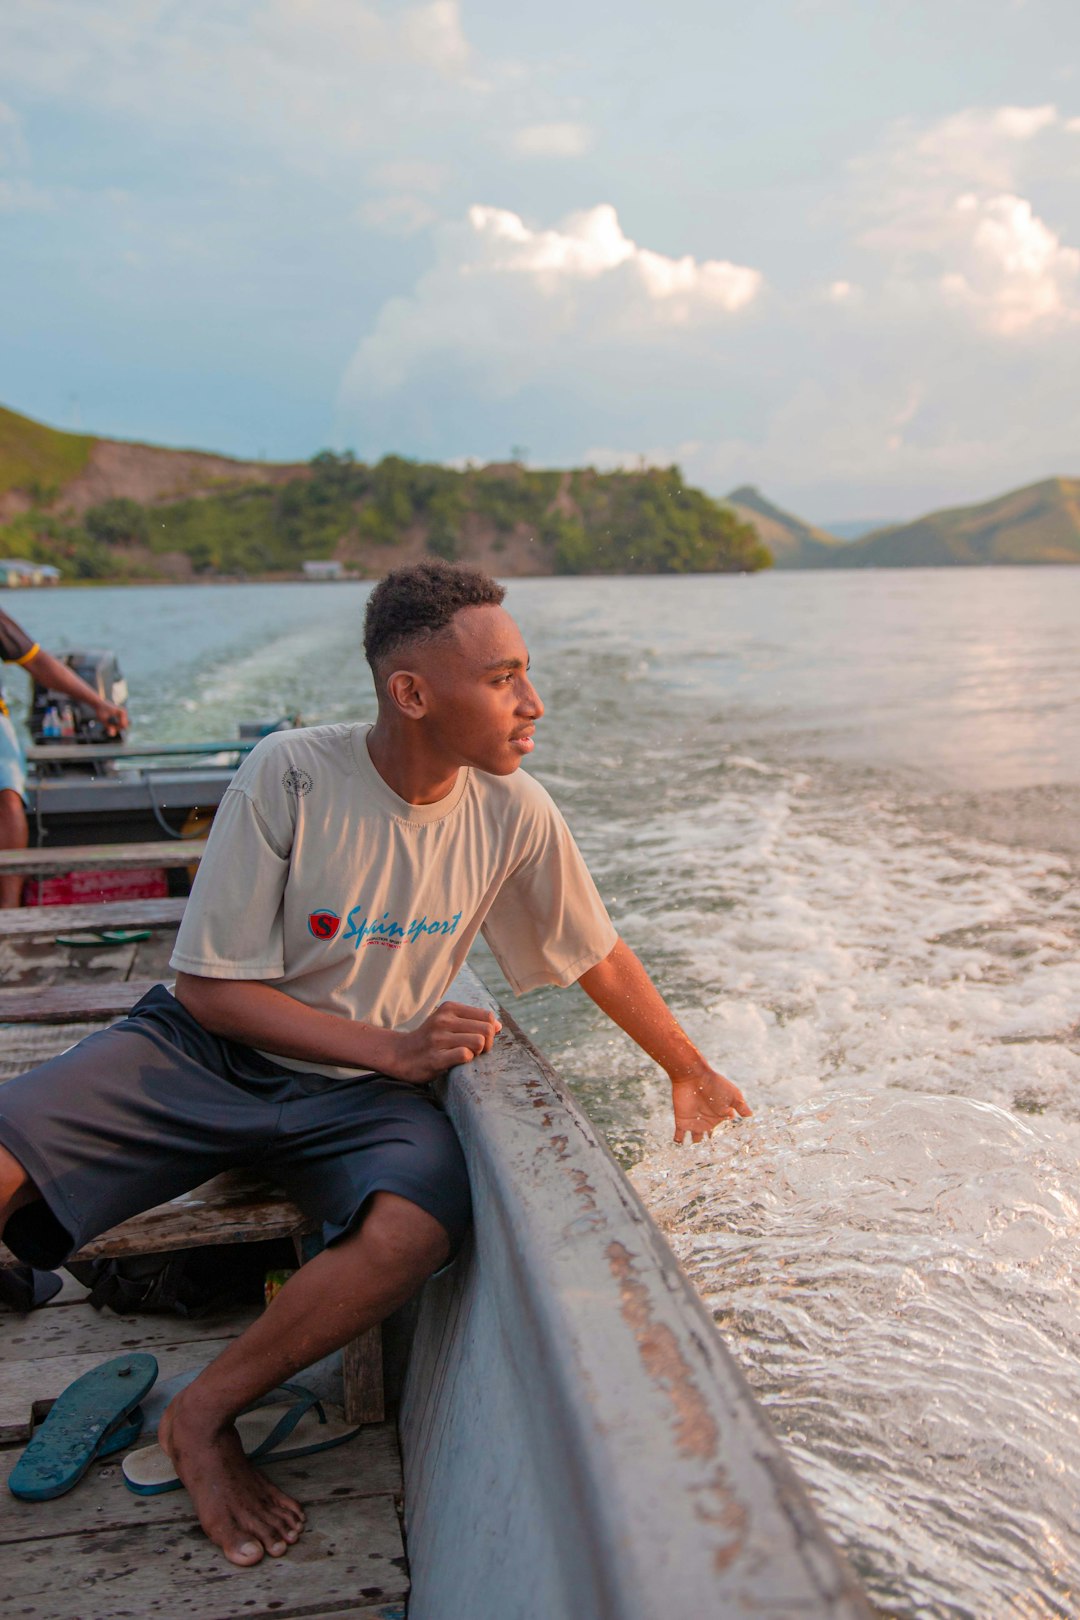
(106, 511)
(267, 521)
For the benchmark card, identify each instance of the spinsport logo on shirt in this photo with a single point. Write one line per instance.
(393, 935)
(323, 924)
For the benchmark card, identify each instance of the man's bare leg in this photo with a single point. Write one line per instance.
(342, 1292)
(14, 834)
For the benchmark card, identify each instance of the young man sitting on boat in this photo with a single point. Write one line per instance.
(347, 874)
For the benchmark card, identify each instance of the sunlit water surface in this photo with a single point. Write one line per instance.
(837, 816)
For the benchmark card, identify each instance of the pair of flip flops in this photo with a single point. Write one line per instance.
(100, 1414)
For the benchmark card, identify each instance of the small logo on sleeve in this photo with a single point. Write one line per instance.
(324, 924)
(296, 782)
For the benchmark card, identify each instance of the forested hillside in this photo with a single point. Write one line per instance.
(512, 519)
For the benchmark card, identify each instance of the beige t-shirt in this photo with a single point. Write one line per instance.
(318, 877)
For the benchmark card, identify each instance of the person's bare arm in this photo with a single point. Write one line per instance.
(257, 1014)
(701, 1097)
(50, 672)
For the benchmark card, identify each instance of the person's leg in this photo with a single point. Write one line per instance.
(16, 1187)
(343, 1291)
(14, 834)
(128, 1118)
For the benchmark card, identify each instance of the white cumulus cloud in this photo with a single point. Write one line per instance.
(514, 302)
(1015, 272)
(947, 211)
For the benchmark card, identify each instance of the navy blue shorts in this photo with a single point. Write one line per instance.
(142, 1112)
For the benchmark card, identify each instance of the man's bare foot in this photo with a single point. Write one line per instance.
(237, 1506)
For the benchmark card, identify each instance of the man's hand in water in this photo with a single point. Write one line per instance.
(621, 988)
(452, 1034)
(702, 1100)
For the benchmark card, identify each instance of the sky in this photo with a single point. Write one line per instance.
(827, 247)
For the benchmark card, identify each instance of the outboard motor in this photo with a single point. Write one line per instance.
(56, 718)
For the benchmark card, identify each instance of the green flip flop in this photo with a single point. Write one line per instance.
(105, 936)
(94, 1417)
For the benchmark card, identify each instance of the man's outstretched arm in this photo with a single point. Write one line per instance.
(701, 1097)
(50, 672)
(259, 1015)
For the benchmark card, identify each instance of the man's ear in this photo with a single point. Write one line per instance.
(408, 693)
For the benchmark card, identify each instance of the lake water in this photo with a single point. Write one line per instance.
(839, 817)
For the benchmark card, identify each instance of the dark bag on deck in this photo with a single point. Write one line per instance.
(190, 1282)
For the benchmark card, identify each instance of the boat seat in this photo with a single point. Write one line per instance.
(83, 1002)
(53, 858)
(42, 922)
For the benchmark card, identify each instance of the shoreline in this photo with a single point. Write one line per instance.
(891, 572)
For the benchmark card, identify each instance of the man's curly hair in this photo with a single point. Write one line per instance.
(415, 603)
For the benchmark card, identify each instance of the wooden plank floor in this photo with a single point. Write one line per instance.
(101, 1553)
(38, 962)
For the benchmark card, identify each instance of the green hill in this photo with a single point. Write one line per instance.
(103, 509)
(38, 460)
(793, 543)
(1037, 524)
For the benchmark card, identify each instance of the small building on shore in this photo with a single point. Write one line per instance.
(323, 568)
(16, 571)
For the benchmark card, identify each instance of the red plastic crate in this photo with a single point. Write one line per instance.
(80, 888)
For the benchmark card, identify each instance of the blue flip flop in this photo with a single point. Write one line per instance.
(93, 1418)
(122, 1434)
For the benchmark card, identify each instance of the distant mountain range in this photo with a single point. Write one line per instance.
(1037, 524)
(855, 528)
(793, 543)
(49, 478)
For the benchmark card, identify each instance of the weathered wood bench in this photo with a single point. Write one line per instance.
(81, 753)
(44, 862)
(42, 922)
(72, 1003)
(232, 1208)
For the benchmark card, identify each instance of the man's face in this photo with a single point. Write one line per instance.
(482, 706)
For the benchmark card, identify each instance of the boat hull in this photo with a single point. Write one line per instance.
(577, 1441)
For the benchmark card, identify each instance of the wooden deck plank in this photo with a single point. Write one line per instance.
(90, 857)
(31, 922)
(384, 1611)
(350, 1554)
(370, 1465)
(33, 1339)
(94, 999)
(24, 1383)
